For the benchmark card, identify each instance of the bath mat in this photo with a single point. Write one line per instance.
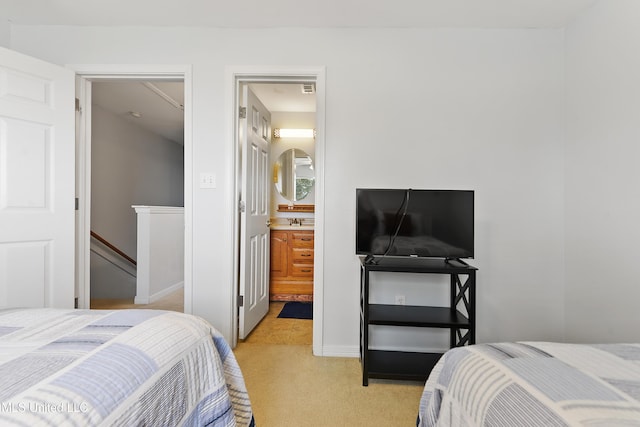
(297, 310)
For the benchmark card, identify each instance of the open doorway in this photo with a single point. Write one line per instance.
(271, 80)
(137, 181)
(161, 81)
(290, 178)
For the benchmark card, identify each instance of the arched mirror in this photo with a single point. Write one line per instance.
(293, 174)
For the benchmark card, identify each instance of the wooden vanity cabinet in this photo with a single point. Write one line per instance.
(279, 254)
(291, 263)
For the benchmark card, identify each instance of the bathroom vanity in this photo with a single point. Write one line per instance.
(291, 263)
(292, 229)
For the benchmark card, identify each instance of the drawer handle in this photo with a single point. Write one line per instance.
(306, 239)
(306, 271)
(305, 254)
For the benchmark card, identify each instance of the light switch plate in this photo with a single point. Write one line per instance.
(207, 180)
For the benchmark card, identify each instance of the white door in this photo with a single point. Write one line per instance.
(37, 180)
(255, 136)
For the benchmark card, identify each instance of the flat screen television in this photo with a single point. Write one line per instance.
(415, 223)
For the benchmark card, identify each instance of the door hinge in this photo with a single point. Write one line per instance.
(241, 206)
(242, 113)
(240, 301)
(78, 108)
(77, 203)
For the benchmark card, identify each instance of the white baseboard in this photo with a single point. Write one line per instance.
(158, 295)
(340, 351)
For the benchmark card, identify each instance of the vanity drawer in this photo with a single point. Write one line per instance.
(301, 239)
(302, 270)
(302, 255)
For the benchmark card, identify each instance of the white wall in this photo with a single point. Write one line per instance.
(160, 252)
(473, 109)
(476, 110)
(602, 174)
(130, 166)
(108, 281)
(5, 33)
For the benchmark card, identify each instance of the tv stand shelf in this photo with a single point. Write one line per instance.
(414, 365)
(398, 365)
(419, 316)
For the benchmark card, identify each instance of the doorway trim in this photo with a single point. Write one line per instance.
(284, 74)
(85, 75)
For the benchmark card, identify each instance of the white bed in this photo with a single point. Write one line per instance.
(117, 368)
(534, 384)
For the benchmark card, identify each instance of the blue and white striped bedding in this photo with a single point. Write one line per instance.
(534, 384)
(117, 368)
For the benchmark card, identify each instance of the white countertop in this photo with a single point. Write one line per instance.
(280, 223)
(291, 227)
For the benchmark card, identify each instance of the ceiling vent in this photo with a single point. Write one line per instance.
(308, 88)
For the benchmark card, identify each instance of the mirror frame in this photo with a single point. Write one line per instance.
(280, 168)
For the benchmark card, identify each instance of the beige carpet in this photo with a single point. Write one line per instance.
(288, 386)
(173, 302)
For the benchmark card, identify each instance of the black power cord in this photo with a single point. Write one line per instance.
(405, 205)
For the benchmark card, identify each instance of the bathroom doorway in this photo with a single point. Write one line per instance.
(270, 88)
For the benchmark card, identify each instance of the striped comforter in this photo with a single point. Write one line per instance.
(534, 384)
(117, 368)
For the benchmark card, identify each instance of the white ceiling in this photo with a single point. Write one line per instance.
(284, 97)
(162, 118)
(156, 113)
(297, 13)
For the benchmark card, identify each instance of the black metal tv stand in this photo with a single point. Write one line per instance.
(456, 262)
(404, 365)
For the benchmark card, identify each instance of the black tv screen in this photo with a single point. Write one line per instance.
(418, 223)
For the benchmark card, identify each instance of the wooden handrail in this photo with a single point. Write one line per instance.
(113, 248)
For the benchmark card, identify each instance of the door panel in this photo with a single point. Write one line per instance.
(254, 229)
(37, 168)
